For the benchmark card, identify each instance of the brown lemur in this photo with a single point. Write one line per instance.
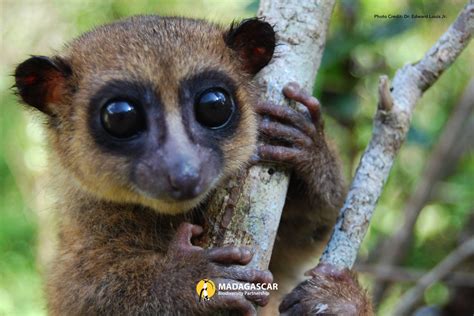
(146, 117)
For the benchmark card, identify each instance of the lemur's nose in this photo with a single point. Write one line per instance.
(184, 178)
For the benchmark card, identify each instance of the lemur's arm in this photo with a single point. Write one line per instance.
(315, 195)
(138, 276)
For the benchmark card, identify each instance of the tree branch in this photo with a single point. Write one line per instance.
(389, 132)
(444, 156)
(411, 297)
(248, 210)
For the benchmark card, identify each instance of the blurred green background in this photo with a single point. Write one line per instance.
(360, 49)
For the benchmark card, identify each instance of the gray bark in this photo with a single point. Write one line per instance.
(391, 124)
(442, 161)
(248, 210)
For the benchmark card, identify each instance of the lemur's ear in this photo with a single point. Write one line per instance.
(254, 41)
(41, 81)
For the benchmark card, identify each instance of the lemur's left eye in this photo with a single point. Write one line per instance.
(122, 119)
(214, 108)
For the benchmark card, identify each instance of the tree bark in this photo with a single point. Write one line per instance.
(247, 211)
(391, 125)
(444, 157)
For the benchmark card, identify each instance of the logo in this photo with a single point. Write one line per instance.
(206, 289)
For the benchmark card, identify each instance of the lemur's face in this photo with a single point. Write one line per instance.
(150, 110)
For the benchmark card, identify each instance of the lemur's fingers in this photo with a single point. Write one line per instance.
(287, 115)
(240, 274)
(233, 302)
(258, 298)
(230, 255)
(331, 291)
(254, 159)
(249, 275)
(329, 270)
(278, 132)
(281, 154)
(183, 235)
(291, 301)
(294, 310)
(294, 92)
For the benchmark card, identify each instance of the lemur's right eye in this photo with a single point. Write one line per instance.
(122, 119)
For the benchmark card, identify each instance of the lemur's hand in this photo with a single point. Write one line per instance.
(297, 139)
(220, 265)
(330, 291)
(290, 137)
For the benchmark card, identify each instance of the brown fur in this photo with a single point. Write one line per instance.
(113, 253)
(143, 48)
(330, 291)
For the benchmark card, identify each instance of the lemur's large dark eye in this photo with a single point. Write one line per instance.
(122, 119)
(214, 108)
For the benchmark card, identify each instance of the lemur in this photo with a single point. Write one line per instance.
(145, 118)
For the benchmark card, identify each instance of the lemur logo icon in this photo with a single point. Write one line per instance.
(206, 289)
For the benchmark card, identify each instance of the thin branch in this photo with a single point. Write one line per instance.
(444, 156)
(401, 274)
(389, 132)
(411, 297)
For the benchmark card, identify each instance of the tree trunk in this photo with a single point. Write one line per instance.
(247, 211)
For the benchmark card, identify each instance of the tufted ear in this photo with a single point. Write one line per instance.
(40, 81)
(254, 41)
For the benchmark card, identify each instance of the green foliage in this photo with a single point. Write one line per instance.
(20, 283)
(437, 293)
(359, 49)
